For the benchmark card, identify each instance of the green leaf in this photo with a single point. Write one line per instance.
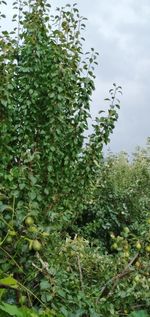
(12, 310)
(32, 195)
(6, 207)
(10, 281)
(45, 285)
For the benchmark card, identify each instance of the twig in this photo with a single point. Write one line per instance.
(80, 271)
(45, 265)
(19, 267)
(106, 289)
(38, 268)
(29, 292)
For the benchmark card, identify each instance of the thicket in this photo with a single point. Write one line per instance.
(74, 227)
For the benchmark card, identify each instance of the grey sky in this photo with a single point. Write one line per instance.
(119, 31)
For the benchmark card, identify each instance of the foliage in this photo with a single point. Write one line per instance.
(13, 310)
(120, 198)
(73, 239)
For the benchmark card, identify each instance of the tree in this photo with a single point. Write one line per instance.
(46, 95)
(46, 170)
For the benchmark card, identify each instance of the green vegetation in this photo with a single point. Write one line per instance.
(74, 227)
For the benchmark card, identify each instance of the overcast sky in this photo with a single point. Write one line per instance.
(120, 31)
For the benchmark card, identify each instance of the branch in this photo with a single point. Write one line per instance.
(114, 280)
(80, 271)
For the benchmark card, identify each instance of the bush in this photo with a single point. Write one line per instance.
(120, 198)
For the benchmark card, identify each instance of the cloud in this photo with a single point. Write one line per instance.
(120, 31)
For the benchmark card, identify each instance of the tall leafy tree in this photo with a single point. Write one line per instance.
(47, 171)
(47, 87)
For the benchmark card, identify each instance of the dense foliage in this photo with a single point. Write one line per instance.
(74, 227)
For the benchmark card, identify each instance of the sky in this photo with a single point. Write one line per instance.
(120, 32)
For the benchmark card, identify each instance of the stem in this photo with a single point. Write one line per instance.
(4, 239)
(19, 267)
(13, 207)
(31, 293)
(7, 224)
(106, 289)
(80, 272)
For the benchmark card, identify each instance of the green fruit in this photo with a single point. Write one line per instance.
(126, 230)
(138, 264)
(72, 253)
(148, 221)
(147, 248)
(9, 239)
(126, 247)
(29, 221)
(45, 234)
(30, 244)
(36, 245)
(12, 233)
(33, 229)
(112, 236)
(137, 278)
(22, 300)
(138, 246)
(115, 246)
(119, 238)
(126, 254)
(126, 312)
(68, 269)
